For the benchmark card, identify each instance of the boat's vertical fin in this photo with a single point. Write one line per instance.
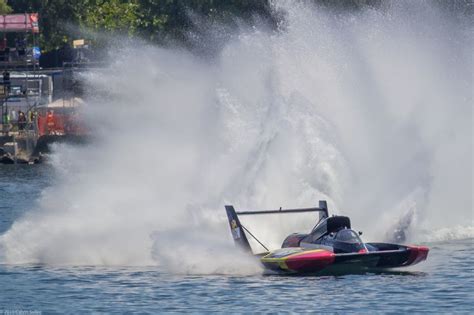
(238, 233)
(323, 214)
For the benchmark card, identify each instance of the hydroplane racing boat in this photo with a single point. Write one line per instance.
(331, 246)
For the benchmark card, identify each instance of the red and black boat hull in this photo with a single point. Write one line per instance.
(304, 261)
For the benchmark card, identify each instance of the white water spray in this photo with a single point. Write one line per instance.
(370, 110)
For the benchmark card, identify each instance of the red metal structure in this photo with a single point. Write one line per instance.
(65, 123)
(14, 23)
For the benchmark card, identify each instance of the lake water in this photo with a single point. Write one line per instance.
(442, 284)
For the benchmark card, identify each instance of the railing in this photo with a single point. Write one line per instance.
(17, 57)
(44, 124)
(18, 126)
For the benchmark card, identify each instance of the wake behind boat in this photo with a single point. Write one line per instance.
(331, 247)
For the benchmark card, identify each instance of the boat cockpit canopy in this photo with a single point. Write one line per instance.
(329, 225)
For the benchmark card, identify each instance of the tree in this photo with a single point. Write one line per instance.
(4, 7)
(155, 20)
(111, 16)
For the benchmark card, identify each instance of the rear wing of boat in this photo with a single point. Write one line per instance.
(239, 231)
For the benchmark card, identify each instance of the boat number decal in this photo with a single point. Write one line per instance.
(235, 230)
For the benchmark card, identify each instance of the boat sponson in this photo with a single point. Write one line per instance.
(300, 260)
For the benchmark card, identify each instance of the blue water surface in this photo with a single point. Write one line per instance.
(443, 284)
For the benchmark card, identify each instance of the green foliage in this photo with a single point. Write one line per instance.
(111, 16)
(173, 18)
(63, 20)
(4, 7)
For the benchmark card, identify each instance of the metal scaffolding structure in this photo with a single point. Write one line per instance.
(22, 88)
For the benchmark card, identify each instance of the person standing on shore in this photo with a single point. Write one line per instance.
(50, 122)
(21, 121)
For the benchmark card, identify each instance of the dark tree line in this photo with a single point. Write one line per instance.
(63, 20)
(155, 20)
